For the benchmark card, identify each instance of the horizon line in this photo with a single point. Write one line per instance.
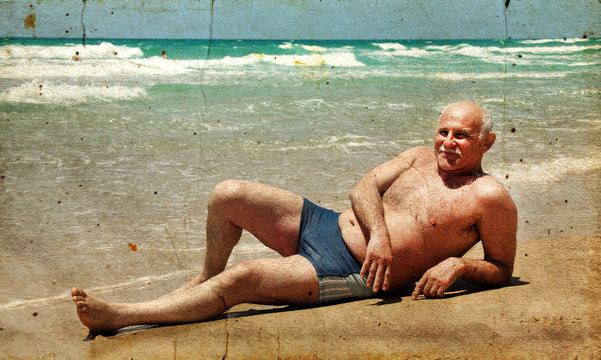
(295, 39)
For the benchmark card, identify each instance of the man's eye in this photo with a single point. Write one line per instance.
(443, 133)
(460, 136)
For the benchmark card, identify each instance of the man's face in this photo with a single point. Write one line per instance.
(459, 149)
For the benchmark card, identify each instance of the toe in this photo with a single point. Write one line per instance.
(78, 292)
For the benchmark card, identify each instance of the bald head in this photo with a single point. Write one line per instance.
(462, 137)
(469, 109)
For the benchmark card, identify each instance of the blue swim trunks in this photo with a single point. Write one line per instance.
(320, 241)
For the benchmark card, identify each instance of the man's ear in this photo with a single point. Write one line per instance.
(489, 140)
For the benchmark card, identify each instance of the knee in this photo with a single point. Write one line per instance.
(239, 283)
(244, 275)
(227, 191)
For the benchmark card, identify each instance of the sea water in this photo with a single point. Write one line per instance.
(107, 163)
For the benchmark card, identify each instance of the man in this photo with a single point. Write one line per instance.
(411, 218)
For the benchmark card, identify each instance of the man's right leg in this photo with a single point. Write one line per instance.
(288, 280)
(272, 215)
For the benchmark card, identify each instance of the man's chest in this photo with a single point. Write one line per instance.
(430, 202)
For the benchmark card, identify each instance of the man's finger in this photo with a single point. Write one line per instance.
(427, 288)
(372, 273)
(432, 291)
(382, 278)
(387, 278)
(379, 279)
(365, 268)
(419, 286)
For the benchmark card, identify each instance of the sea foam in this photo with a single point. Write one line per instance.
(547, 171)
(104, 50)
(44, 92)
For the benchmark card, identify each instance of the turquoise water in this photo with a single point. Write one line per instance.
(125, 146)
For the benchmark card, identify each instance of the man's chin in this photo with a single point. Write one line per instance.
(446, 163)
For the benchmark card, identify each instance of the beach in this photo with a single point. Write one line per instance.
(107, 163)
(549, 311)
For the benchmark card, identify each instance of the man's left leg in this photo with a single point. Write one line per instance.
(289, 280)
(271, 214)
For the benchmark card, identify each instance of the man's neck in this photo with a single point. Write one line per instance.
(458, 179)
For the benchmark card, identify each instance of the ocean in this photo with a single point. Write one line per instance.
(107, 163)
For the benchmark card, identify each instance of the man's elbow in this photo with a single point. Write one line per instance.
(355, 194)
(503, 278)
(499, 271)
(497, 276)
(358, 191)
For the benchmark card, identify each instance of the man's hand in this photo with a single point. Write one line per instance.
(439, 278)
(377, 263)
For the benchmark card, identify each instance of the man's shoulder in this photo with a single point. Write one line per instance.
(422, 150)
(419, 153)
(415, 157)
(497, 214)
(488, 186)
(491, 193)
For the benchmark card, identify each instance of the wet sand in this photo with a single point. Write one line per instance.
(550, 310)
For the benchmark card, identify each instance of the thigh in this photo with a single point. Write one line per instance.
(269, 213)
(289, 280)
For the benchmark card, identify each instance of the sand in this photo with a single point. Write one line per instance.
(549, 311)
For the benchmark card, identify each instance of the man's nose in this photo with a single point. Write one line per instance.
(449, 142)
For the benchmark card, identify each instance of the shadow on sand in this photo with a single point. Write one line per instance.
(459, 288)
(462, 287)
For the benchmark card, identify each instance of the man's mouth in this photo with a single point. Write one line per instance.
(452, 151)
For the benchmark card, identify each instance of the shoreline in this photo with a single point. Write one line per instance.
(549, 310)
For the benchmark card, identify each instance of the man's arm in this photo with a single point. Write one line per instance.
(366, 200)
(497, 229)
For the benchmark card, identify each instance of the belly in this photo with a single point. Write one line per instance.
(403, 231)
(408, 249)
(352, 234)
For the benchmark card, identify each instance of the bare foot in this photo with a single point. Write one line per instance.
(98, 315)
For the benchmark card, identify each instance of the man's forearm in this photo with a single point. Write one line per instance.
(485, 272)
(436, 281)
(369, 211)
(367, 206)
(366, 195)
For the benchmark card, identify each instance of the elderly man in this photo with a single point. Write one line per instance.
(412, 218)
